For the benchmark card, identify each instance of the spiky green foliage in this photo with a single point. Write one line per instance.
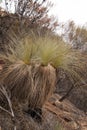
(30, 64)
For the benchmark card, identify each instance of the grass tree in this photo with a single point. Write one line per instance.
(30, 63)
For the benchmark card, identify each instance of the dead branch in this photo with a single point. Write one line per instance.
(4, 92)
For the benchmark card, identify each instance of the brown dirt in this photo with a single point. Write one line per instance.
(68, 115)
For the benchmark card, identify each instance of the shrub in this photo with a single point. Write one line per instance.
(30, 65)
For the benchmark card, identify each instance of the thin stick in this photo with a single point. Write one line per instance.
(6, 110)
(8, 99)
(15, 128)
(2, 89)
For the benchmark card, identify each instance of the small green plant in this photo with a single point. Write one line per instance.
(59, 127)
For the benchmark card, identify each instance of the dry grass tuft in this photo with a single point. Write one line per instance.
(30, 65)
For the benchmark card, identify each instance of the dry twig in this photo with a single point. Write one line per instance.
(4, 92)
(2, 89)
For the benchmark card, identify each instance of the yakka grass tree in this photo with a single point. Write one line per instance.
(30, 63)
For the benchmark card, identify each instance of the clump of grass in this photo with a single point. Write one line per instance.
(62, 56)
(30, 65)
(59, 127)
